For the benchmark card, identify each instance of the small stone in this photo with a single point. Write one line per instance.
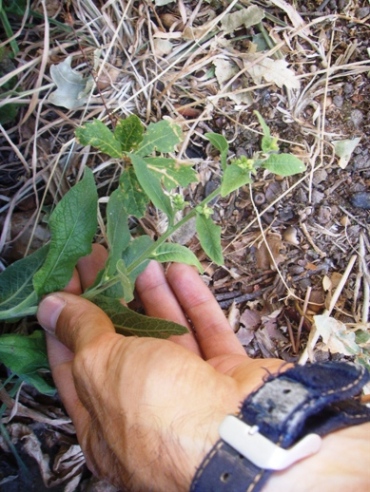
(300, 196)
(361, 200)
(317, 196)
(363, 12)
(295, 270)
(361, 162)
(338, 101)
(319, 176)
(357, 117)
(342, 4)
(323, 215)
(348, 89)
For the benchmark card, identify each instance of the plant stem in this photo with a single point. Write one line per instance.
(90, 294)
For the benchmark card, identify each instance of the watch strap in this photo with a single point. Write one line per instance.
(317, 398)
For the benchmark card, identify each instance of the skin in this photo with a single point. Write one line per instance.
(147, 411)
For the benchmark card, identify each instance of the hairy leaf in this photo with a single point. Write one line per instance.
(162, 136)
(135, 199)
(221, 144)
(125, 282)
(268, 143)
(118, 233)
(72, 224)
(233, 178)
(171, 173)
(17, 295)
(209, 235)
(133, 252)
(176, 252)
(284, 164)
(25, 356)
(129, 132)
(130, 323)
(152, 186)
(98, 135)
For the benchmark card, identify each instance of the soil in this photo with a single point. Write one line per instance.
(287, 241)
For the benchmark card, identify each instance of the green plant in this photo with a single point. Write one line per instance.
(147, 176)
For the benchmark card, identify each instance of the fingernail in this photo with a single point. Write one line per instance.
(49, 311)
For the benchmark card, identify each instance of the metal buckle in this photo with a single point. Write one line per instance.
(261, 451)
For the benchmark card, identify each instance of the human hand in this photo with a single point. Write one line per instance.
(146, 411)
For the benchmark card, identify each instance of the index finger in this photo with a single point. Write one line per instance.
(213, 332)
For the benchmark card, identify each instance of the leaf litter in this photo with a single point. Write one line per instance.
(210, 79)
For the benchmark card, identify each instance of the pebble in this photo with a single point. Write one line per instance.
(323, 215)
(338, 101)
(317, 196)
(361, 200)
(361, 162)
(363, 12)
(300, 196)
(348, 89)
(342, 4)
(319, 176)
(357, 117)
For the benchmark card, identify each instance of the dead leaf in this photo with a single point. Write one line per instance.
(72, 88)
(162, 47)
(344, 149)
(242, 18)
(275, 71)
(293, 15)
(335, 335)
(263, 256)
(226, 70)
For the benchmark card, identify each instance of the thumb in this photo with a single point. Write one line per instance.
(73, 320)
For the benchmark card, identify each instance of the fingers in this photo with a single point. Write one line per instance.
(60, 359)
(213, 332)
(159, 301)
(75, 321)
(89, 266)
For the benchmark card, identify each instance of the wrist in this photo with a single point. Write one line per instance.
(275, 424)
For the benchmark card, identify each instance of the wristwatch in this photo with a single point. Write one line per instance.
(282, 422)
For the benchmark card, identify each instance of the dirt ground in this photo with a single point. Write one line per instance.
(294, 247)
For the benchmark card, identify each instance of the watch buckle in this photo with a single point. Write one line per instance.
(261, 451)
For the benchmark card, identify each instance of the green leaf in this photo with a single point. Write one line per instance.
(233, 178)
(162, 136)
(129, 132)
(118, 233)
(152, 186)
(284, 164)
(25, 356)
(221, 144)
(125, 282)
(135, 250)
(98, 135)
(17, 294)
(171, 173)
(130, 323)
(176, 252)
(268, 144)
(135, 199)
(72, 224)
(209, 235)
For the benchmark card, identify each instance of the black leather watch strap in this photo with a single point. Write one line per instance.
(316, 398)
